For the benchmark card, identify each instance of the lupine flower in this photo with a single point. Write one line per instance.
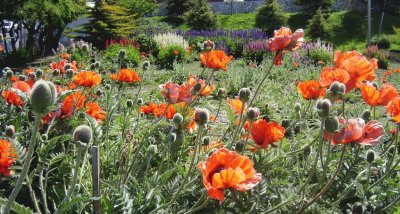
(311, 89)
(215, 59)
(7, 157)
(374, 97)
(126, 75)
(87, 79)
(226, 169)
(94, 110)
(393, 109)
(12, 97)
(265, 133)
(355, 130)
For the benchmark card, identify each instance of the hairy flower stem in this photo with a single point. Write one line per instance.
(199, 136)
(33, 195)
(328, 151)
(219, 108)
(238, 127)
(247, 138)
(25, 167)
(329, 183)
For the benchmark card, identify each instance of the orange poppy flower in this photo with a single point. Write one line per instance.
(236, 105)
(158, 110)
(373, 97)
(265, 133)
(358, 67)
(7, 157)
(170, 92)
(126, 75)
(185, 94)
(28, 70)
(215, 59)
(59, 65)
(227, 169)
(330, 75)
(295, 64)
(148, 109)
(12, 97)
(206, 90)
(393, 109)
(385, 75)
(64, 56)
(95, 111)
(284, 39)
(30, 82)
(310, 89)
(355, 130)
(87, 79)
(175, 52)
(71, 103)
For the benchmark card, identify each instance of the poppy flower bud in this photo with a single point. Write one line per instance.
(196, 88)
(172, 137)
(146, 65)
(18, 109)
(375, 85)
(152, 149)
(392, 150)
(221, 93)
(9, 73)
(297, 107)
(323, 107)
(357, 208)
(140, 101)
(31, 75)
(307, 151)
(1, 37)
(370, 157)
(44, 137)
(201, 116)
(239, 146)
(244, 94)
(85, 47)
(56, 72)
(108, 87)
(97, 64)
(22, 77)
(83, 134)
(10, 131)
(53, 91)
(99, 92)
(129, 103)
(285, 123)
(331, 124)
(208, 45)
(366, 115)
(70, 73)
(177, 119)
(206, 141)
(253, 113)
(42, 97)
(92, 67)
(337, 90)
(57, 82)
(122, 54)
(67, 66)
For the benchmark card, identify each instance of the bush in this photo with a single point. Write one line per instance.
(382, 56)
(270, 16)
(176, 10)
(168, 55)
(200, 16)
(235, 47)
(382, 42)
(147, 44)
(132, 55)
(319, 56)
(317, 26)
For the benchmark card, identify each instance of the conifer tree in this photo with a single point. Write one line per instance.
(200, 16)
(270, 16)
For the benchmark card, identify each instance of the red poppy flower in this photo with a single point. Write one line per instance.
(264, 133)
(284, 39)
(95, 111)
(227, 169)
(373, 97)
(87, 79)
(215, 59)
(126, 75)
(393, 109)
(71, 103)
(311, 89)
(12, 97)
(7, 157)
(170, 92)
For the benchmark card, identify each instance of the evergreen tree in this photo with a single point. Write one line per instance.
(317, 26)
(200, 16)
(270, 16)
(176, 9)
(311, 6)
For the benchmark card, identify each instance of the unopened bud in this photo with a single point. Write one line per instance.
(85, 47)
(31, 75)
(323, 107)
(122, 54)
(172, 137)
(129, 103)
(244, 94)
(177, 119)
(206, 141)
(10, 131)
(370, 157)
(221, 93)
(97, 64)
(99, 92)
(366, 115)
(146, 65)
(152, 149)
(44, 137)
(56, 72)
(196, 88)
(357, 208)
(253, 113)
(331, 124)
(22, 78)
(83, 134)
(70, 73)
(108, 87)
(39, 73)
(201, 116)
(285, 123)
(92, 67)
(208, 45)
(9, 73)
(297, 107)
(42, 97)
(337, 90)
(140, 101)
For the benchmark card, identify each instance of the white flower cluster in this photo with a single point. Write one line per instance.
(169, 39)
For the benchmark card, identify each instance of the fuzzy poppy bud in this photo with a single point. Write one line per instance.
(92, 60)
(140, 101)
(253, 113)
(208, 45)
(44, 137)
(22, 78)
(92, 67)
(307, 151)
(172, 137)
(206, 141)
(244, 94)
(99, 92)
(85, 47)
(221, 93)
(366, 115)
(152, 149)
(331, 124)
(31, 75)
(83, 134)
(374, 84)
(10, 131)
(196, 88)
(108, 87)
(392, 150)
(201, 116)
(323, 107)
(56, 72)
(357, 208)
(370, 157)
(42, 97)
(122, 54)
(57, 82)
(9, 73)
(285, 123)
(53, 91)
(67, 66)
(97, 64)
(177, 119)
(297, 107)
(146, 65)
(129, 103)
(337, 90)
(239, 146)
(70, 73)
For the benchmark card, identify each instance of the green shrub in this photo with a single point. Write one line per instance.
(270, 16)
(235, 47)
(200, 16)
(382, 42)
(317, 55)
(381, 55)
(147, 44)
(317, 26)
(132, 55)
(77, 55)
(168, 55)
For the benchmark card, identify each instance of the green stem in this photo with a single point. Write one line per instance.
(219, 108)
(25, 167)
(247, 137)
(239, 126)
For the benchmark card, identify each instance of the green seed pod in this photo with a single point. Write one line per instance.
(70, 73)
(41, 98)
(297, 107)
(146, 65)
(122, 54)
(244, 94)
(83, 134)
(370, 157)
(366, 115)
(323, 107)
(10, 131)
(201, 116)
(357, 208)
(331, 124)
(129, 103)
(206, 141)
(177, 119)
(253, 113)
(152, 149)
